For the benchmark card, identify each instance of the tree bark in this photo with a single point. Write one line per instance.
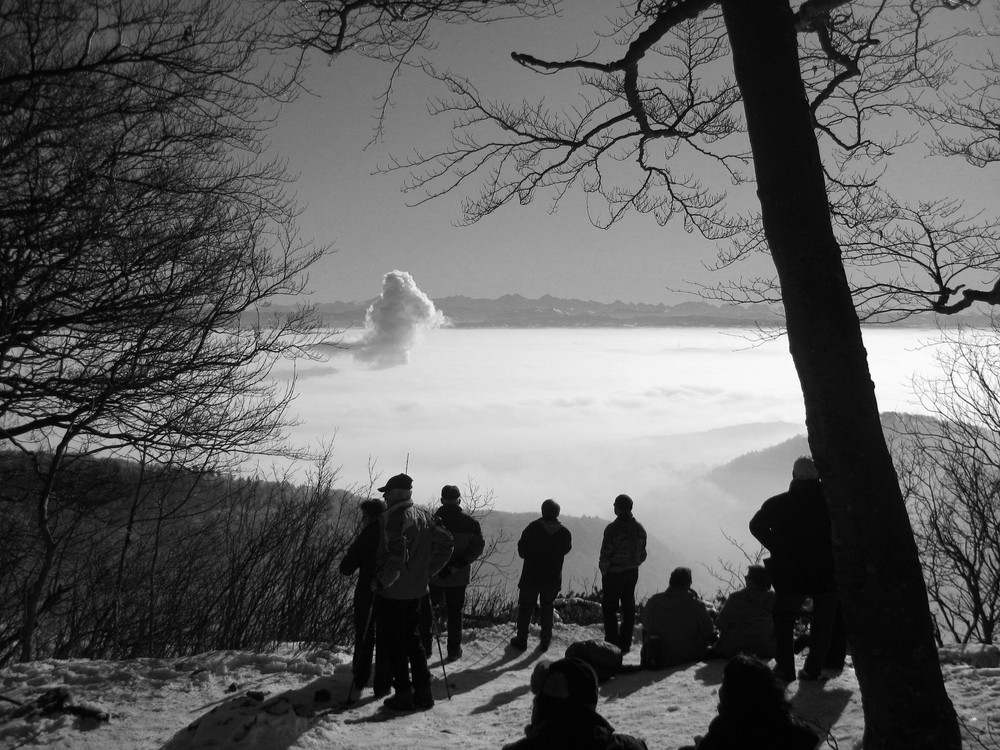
(878, 572)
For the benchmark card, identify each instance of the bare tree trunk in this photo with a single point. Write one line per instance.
(878, 571)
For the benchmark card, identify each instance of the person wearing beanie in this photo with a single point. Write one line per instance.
(564, 712)
(450, 583)
(623, 550)
(795, 528)
(754, 713)
(361, 557)
(413, 546)
(745, 622)
(543, 545)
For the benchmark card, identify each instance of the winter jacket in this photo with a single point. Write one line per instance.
(726, 734)
(624, 545)
(795, 528)
(543, 545)
(680, 620)
(413, 546)
(579, 729)
(469, 545)
(360, 556)
(746, 624)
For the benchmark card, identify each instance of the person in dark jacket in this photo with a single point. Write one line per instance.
(543, 545)
(795, 528)
(564, 712)
(450, 583)
(746, 621)
(413, 546)
(676, 626)
(754, 713)
(623, 550)
(360, 557)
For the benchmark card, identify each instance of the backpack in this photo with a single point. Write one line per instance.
(651, 656)
(604, 657)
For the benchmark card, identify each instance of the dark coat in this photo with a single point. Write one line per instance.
(726, 734)
(469, 545)
(579, 729)
(543, 545)
(361, 555)
(623, 546)
(795, 528)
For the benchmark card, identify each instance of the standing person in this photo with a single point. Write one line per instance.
(450, 583)
(412, 548)
(623, 550)
(564, 712)
(543, 545)
(360, 557)
(795, 528)
(754, 713)
(676, 626)
(745, 622)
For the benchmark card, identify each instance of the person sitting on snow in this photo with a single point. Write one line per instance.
(745, 622)
(754, 713)
(676, 626)
(564, 712)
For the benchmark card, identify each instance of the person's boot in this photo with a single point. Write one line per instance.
(423, 699)
(401, 701)
(520, 641)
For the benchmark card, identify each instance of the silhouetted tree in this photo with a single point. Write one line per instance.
(141, 233)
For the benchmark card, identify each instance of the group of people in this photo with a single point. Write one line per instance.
(410, 561)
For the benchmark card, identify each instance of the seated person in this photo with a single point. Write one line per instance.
(564, 712)
(753, 713)
(745, 623)
(676, 627)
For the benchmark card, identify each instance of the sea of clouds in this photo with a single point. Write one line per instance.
(578, 415)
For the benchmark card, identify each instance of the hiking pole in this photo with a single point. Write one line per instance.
(364, 641)
(437, 637)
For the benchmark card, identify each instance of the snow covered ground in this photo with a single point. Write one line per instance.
(289, 700)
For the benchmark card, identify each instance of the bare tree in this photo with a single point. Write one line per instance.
(141, 233)
(949, 468)
(809, 81)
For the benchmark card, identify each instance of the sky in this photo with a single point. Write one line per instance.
(325, 137)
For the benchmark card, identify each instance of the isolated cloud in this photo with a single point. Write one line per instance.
(394, 321)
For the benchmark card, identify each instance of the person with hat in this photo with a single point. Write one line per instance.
(412, 548)
(564, 712)
(623, 550)
(543, 546)
(451, 581)
(795, 528)
(361, 557)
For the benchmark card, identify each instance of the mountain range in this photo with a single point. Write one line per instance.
(515, 311)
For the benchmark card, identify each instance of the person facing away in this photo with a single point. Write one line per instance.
(543, 546)
(794, 526)
(745, 622)
(361, 557)
(413, 547)
(754, 713)
(676, 626)
(451, 581)
(564, 712)
(623, 550)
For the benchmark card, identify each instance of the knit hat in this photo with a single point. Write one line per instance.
(623, 501)
(571, 680)
(550, 509)
(450, 495)
(804, 468)
(398, 482)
